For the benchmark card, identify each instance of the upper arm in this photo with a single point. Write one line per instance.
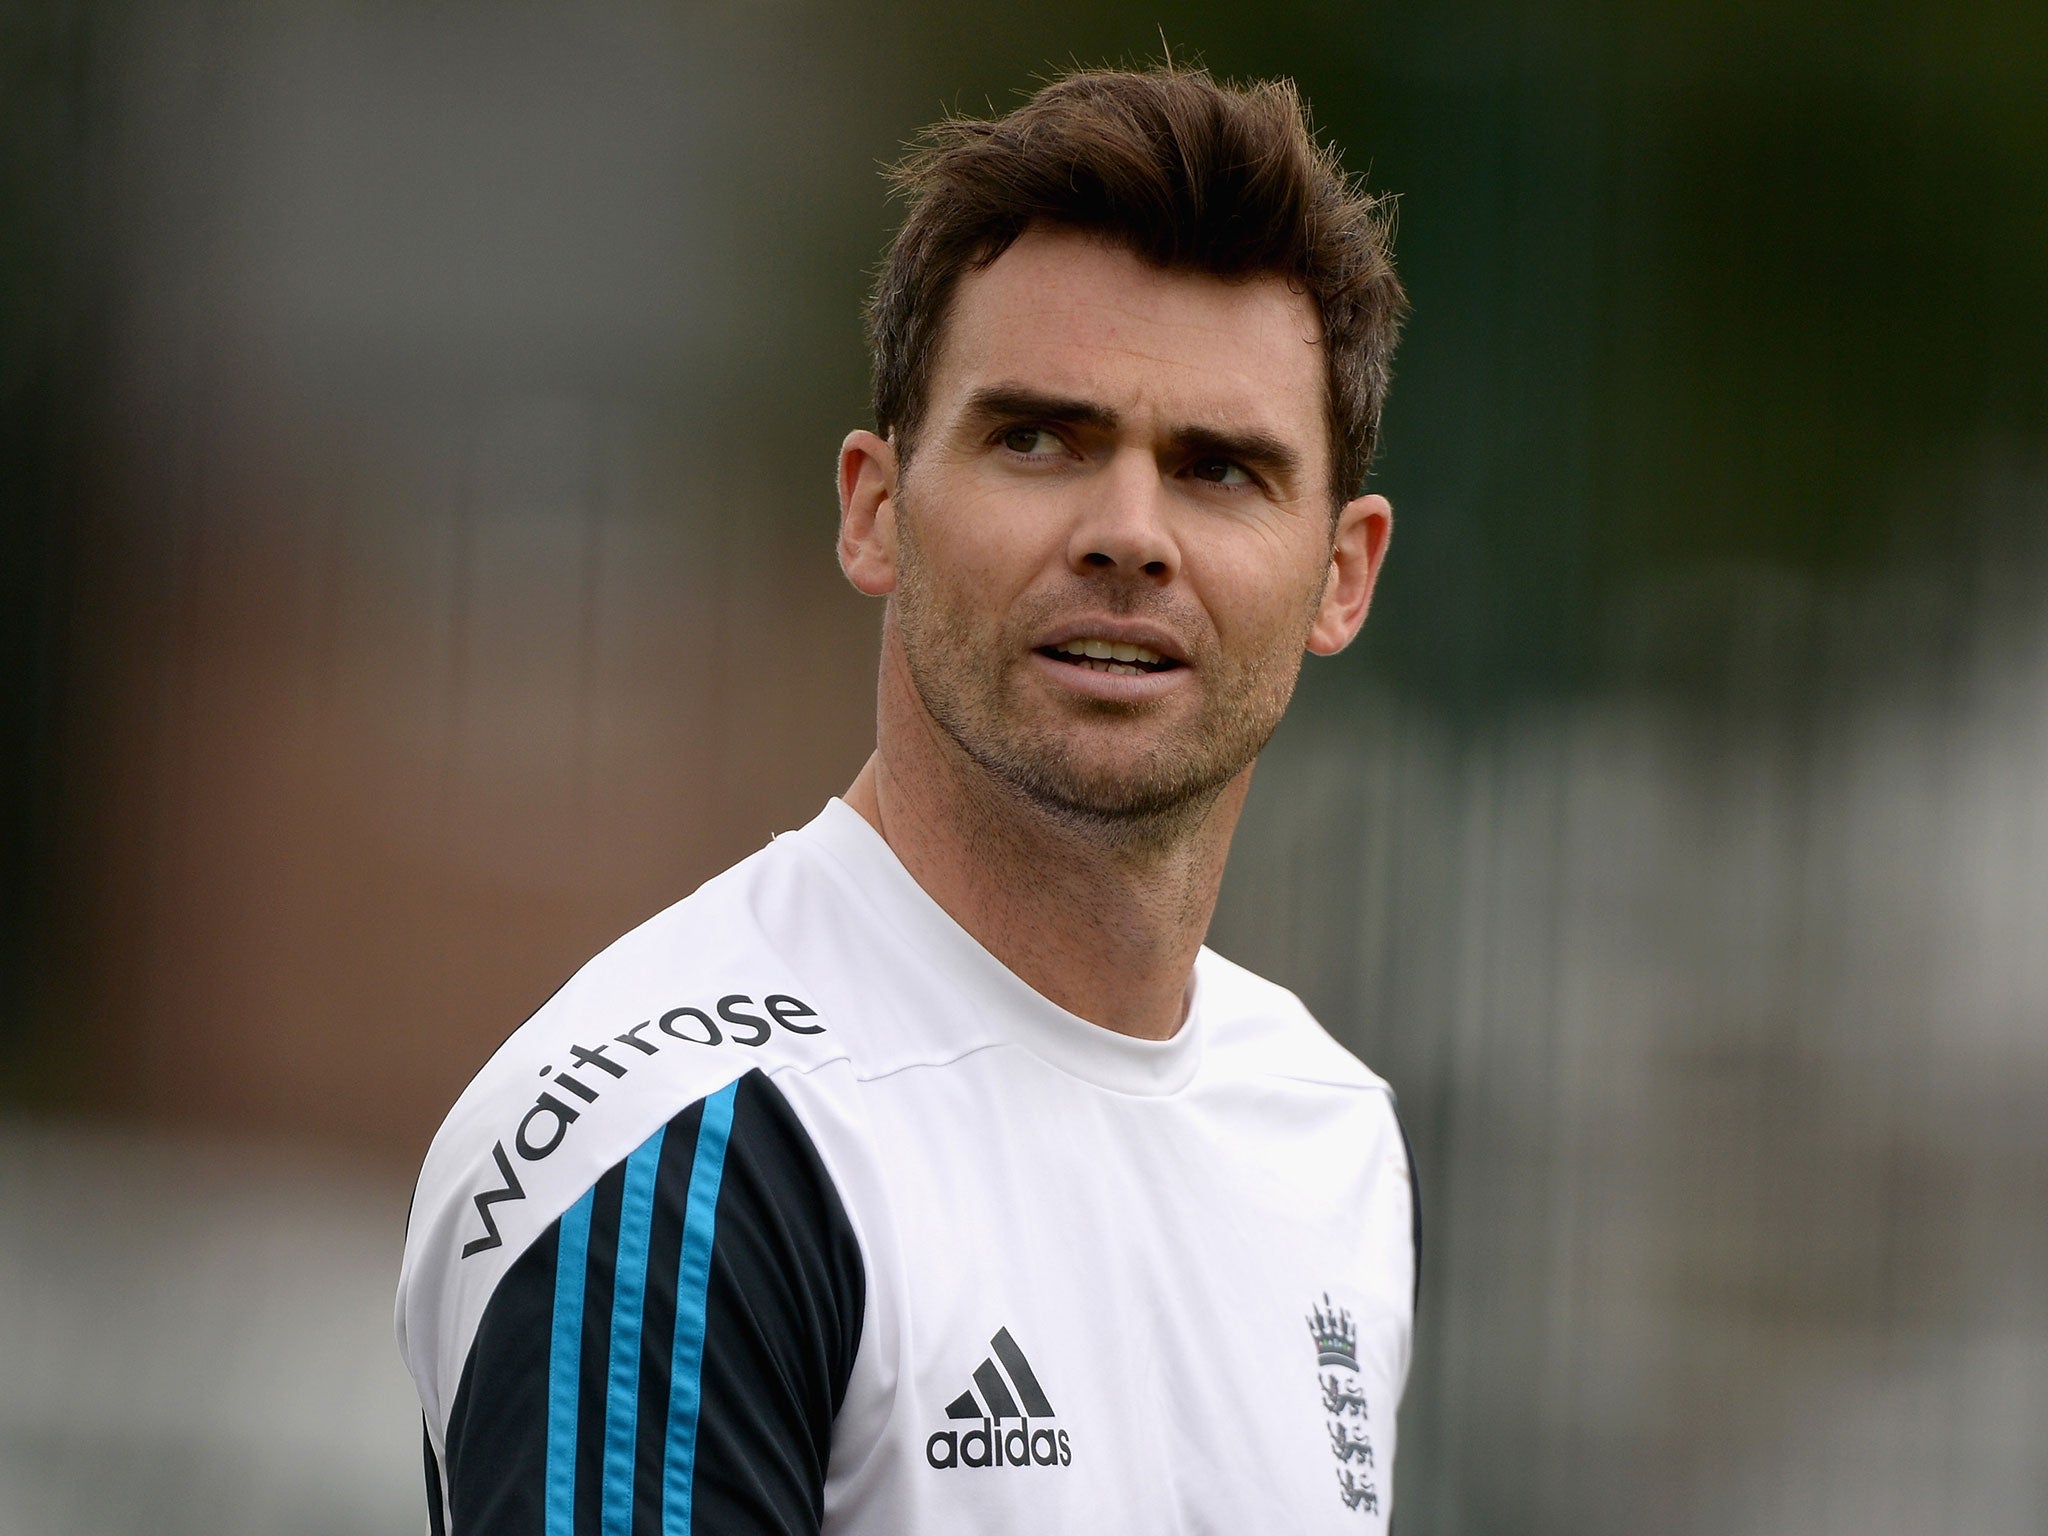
(669, 1354)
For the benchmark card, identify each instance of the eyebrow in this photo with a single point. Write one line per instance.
(1255, 449)
(1000, 402)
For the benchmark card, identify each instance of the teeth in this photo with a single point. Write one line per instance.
(1109, 650)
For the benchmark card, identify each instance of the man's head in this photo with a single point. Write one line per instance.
(1114, 535)
(1187, 174)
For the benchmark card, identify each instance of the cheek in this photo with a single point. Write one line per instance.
(961, 577)
(1257, 604)
(986, 555)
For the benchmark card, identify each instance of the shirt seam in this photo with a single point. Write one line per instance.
(804, 1069)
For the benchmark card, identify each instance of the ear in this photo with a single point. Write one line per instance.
(867, 512)
(1363, 528)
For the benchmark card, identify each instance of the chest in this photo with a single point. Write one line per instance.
(1092, 1312)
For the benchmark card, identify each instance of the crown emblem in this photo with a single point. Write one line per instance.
(1336, 1338)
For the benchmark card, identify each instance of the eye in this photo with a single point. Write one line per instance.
(1220, 472)
(1033, 442)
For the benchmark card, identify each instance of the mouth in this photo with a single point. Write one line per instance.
(1113, 656)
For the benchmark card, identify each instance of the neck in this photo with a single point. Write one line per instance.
(1106, 926)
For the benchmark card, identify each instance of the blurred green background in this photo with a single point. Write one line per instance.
(416, 437)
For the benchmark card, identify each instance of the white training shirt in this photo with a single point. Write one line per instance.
(795, 1210)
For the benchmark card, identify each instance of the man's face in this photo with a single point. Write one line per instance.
(1114, 538)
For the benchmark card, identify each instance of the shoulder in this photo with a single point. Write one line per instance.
(670, 1015)
(1262, 1033)
(1259, 1028)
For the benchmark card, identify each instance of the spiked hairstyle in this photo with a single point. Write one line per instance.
(1190, 175)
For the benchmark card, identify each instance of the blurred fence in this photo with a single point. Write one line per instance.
(1722, 1033)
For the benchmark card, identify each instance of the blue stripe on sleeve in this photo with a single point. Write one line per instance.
(622, 1381)
(693, 1282)
(565, 1365)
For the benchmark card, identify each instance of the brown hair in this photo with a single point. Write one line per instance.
(1188, 174)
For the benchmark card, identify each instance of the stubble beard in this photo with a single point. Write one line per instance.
(967, 674)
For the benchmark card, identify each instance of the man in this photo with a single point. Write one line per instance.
(923, 1172)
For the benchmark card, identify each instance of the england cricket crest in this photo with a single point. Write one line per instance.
(1344, 1405)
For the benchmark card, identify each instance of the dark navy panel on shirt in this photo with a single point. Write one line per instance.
(437, 1521)
(670, 1354)
(1414, 1214)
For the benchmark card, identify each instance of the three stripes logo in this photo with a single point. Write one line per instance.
(1016, 1397)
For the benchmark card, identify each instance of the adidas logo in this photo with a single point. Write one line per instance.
(990, 1443)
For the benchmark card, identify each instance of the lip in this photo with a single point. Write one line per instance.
(1111, 687)
(1117, 632)
(1130, 688)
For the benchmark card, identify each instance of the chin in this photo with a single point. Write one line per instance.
(1118, 798)
(1127, 776)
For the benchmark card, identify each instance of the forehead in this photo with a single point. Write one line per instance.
(1078, 316)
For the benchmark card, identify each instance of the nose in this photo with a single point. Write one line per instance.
(1124, 525)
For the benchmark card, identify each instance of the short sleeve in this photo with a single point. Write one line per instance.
(669, 1355)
